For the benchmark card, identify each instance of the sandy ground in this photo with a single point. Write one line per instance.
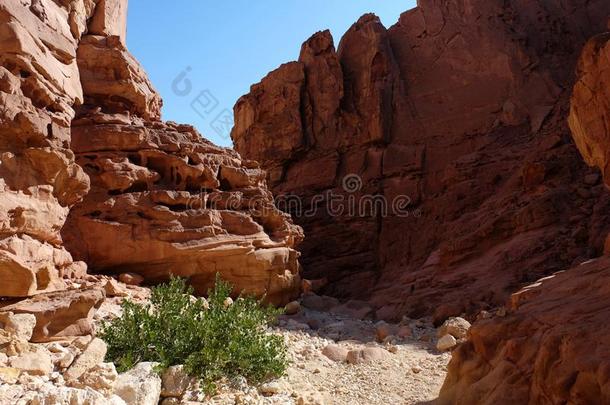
(410, 372)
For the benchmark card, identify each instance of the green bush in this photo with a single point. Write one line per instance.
(213, 340)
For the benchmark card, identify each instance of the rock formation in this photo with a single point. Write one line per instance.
(549, 347)
(162, 200)
(460, 107)
(39, 180)
(590, 106)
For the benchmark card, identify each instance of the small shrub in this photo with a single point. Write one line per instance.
(211, 339)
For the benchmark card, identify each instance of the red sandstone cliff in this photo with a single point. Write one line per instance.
(461, 107)
(550, 346)
(164, 200)
(154, 198)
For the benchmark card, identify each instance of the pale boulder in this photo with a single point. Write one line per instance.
(92, 356)
(335, 353)
(37, 361)
(367, 355)
(140, 385)
(445, 343)
(101, 378)
(19, 326)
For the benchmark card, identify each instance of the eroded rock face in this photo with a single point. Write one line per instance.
(590, 106)
(163, 200)
(60, 314)
(460, 106)
(39, 180)
(549, 348)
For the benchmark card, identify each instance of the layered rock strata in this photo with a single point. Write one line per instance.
(39, 179)
(163, 200)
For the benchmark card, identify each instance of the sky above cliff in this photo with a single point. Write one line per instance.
(203, 55)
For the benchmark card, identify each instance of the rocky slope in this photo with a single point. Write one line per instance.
(162, 200)
(460, 107)
(335, 357)
(547, 349)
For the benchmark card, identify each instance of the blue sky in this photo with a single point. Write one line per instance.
(223, 47)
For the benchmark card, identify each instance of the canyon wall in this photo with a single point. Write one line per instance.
(39, 179)
(164, 201)
(459, 109)
(590, 104)
(91, 176)
(549, 347)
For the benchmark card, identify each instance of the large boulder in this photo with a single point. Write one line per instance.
(59, 314)
(590, 106)
(430, 164)
(548, 349)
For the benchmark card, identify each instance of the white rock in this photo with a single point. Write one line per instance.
(445, 343)
(35, 362)
(56, 348)
(20, 326)
(140, 385)
(270, 388)
(62, 357)
(101, 377)
(49, 394)
(92, 356)
(63, 360)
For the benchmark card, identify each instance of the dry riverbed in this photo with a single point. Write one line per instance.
(406, 370)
